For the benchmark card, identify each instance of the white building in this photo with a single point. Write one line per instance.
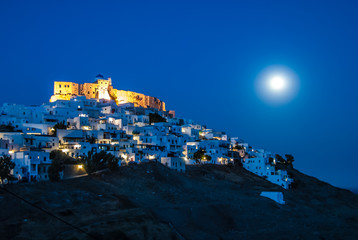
(31, 165)
(258, 163)
(175, 163)
(122, 130)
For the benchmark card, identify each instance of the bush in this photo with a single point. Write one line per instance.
(59, 125)
(91, 140)
(238, 147)
(290, 159)
(54, 170)
(199, 155)
(94, 162)
(61, 155)
(58, 158)
(6, 165)
(7, 128)
(280, 159)
(155, 117)
(112, 162)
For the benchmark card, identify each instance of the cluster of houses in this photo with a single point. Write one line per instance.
(133, 134)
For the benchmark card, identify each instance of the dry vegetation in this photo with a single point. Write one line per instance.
(149, 201)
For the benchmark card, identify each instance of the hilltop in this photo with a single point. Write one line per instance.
(150, 201)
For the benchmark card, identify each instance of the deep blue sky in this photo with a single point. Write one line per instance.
(202, 60)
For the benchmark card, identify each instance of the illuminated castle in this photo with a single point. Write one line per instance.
(102, 89)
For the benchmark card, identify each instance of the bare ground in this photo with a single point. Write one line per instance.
(149, 201)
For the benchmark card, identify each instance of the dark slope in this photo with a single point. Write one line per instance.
(150, 201)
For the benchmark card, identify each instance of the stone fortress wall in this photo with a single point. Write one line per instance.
(103, 89)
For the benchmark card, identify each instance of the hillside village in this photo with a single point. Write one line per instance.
(90, 118)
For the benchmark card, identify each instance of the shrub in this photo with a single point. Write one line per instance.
(54, 170)
(58, 158)
(94, 162)
(155, 117)
(6, 165)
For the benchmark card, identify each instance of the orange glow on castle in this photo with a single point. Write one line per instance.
(102, 89)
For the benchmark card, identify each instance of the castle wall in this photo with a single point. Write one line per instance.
(65, 88)
(89, 90)
(64, 91)
(103, 89)
(138, 99)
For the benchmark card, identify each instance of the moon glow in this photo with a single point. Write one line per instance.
(277, 85)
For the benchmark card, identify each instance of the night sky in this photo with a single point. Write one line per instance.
(203, 60)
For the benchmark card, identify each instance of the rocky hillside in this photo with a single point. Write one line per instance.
(149, 201)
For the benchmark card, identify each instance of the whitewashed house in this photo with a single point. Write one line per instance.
(175, 163)
(258, 163)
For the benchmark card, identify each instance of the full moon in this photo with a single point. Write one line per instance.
(277, 83)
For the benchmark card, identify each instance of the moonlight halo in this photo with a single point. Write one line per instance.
(277, 85)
